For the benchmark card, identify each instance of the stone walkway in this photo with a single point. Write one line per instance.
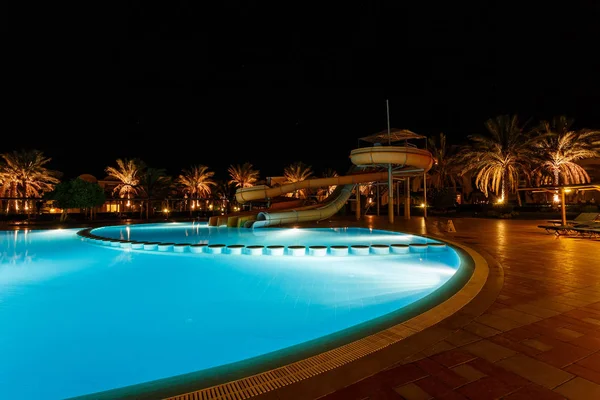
(532, 333)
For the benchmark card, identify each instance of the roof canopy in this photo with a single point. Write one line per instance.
(395, 135)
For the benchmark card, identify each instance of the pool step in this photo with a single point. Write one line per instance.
(273, 250)
(269, 250)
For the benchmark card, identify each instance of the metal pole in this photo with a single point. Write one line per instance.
(390, 183)
(377, 186)
(357, 211)
(398, 197)
(407, 199)
(564, 208)
(425, 194)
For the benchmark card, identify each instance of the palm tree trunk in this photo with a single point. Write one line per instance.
(556, 176)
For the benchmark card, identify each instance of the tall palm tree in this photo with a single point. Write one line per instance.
(128, 173)
(8, 186)
(24, 175)
(243, 175)
(224, 194)
(323, 192)
(500, 158)
(297, 172)
(153, 181)
(445, 171)
(196, 182)
(560, 148)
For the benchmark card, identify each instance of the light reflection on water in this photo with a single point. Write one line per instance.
(78, 318)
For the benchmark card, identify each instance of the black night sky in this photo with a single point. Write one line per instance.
(181, 83)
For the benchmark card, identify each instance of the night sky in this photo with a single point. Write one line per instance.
(185, 84)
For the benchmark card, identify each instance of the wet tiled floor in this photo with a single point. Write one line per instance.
(533, 332)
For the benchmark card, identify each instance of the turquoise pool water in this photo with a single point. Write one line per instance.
(78, 318)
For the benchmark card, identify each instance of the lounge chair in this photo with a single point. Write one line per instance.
(593, 229)
(582, 220)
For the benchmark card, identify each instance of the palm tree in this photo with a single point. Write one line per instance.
(152, 182)
(243, 175)
(445, 171)
(128, 173)
(8, 185)
(499, 158)
(560, 148)
(196, 182)
(24, 175)
(324, 192)
(297, 172)
(224, 194)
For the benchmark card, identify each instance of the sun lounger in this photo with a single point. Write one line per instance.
(557, 228)
(580, 219)
(593, 230)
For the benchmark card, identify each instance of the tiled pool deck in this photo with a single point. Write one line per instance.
(533, 332)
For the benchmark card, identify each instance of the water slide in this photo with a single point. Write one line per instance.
(406, 161)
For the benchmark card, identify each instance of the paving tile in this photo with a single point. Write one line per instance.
(429, 366)
(386, 394)
(536, 371)
(535, 310)
(552, 305)
(548, 323)
(582, 313)
(533, 391)
(481, 329)
(519, 334)
(453, 358)
(577, 322)
(562, 355)
(590, 320)
(584, 327)
(587, 341)
(570, 301)
(516, 315)
(550, 340)
(536, 344)
(485, 388)
(468, 372)
(516, 346)
(510, 378)
(462, 337)
(497, 322)
(579, 389)
(589, 374)
(451, 396)
(595, 306)
(438, 348)
(450, 378)
(567, 334)
(401, 374)
(488, 350)
(592, 362)
(412, 392)
(433, 386)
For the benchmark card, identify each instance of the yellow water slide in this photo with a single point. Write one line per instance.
(406, 161)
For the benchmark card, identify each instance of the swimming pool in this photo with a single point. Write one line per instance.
(79, 316)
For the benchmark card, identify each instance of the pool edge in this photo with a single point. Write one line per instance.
(405, 337)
